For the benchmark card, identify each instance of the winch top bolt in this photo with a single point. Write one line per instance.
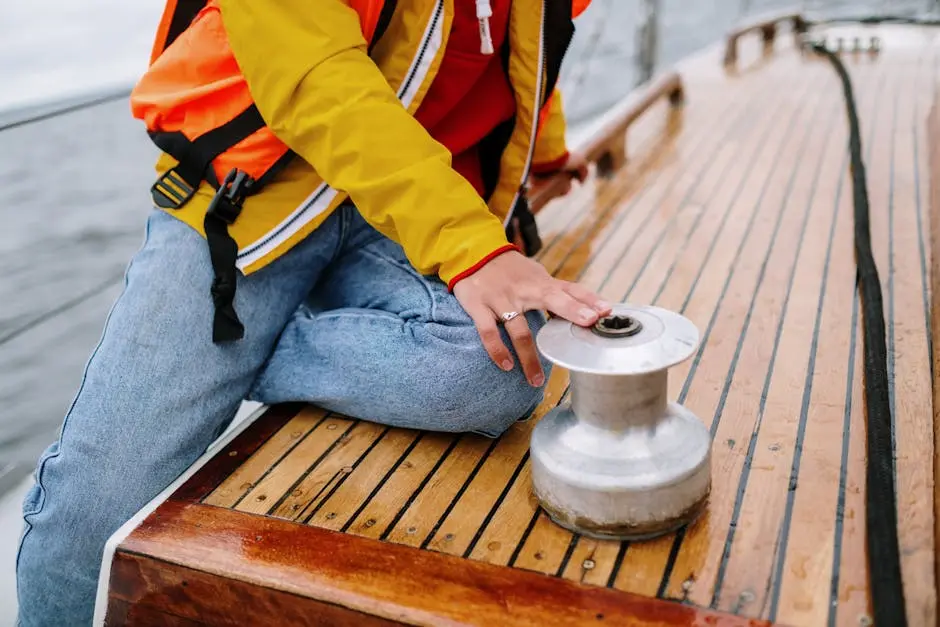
(618, 326)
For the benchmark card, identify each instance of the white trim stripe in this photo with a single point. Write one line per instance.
(323, 196)
(104, 575)
(315, 204)
(430, 45)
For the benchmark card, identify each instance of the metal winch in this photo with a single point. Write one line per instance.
(621, 461)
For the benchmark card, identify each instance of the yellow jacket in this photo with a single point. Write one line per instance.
(347, 112)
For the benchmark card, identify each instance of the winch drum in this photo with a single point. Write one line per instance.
(621, 462)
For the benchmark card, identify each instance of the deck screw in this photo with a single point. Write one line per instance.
(539, 555)
(588, 564)
(865, 620)
(331, 516)
(411, 531)
(297, 492)
(295, 434)
(493, 546)
(347, 469)
(263, 497)
(370, 522)
(331, 426)
(448, 537)
(232, 453)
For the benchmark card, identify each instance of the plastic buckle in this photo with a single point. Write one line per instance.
(171, 191)
(229, 199)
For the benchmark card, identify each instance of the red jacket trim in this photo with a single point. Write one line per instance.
(496, 253)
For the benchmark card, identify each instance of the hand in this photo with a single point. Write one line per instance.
(512, 282)
(575, 167)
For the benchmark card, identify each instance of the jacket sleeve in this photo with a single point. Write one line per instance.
(314, 84)
(551, 151)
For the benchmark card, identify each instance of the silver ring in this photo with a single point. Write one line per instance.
(509, 315)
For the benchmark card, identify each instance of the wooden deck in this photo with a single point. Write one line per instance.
(735, 210)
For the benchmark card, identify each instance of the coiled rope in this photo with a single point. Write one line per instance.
(884, 558)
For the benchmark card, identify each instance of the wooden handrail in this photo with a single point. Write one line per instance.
(767, 25)
(606, 146)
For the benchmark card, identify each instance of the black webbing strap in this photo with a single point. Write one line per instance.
(183, 15)
(176, 186)
(223, 211)
(522, 218)
(385, 18)
(884, 558)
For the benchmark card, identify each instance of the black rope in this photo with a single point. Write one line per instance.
(884, 559)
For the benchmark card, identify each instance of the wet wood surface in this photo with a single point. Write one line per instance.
(735, 210)
(221, 566)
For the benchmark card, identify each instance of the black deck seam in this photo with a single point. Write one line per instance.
(924, 274)
(274, 465)
(575, 538)
(891, 357)
(618, 562)
(778, 333)
(382, 482)
(843, 471)
(310, 468)
(463, 488)
(525, 538)
(495, 508)
(745, 238)
(342, 479)
(414, 494)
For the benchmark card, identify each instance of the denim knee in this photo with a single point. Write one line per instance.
(476, 396)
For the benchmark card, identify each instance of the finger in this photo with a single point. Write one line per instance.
(587, 297)
(570, 308)
(489, 334)
(524, 345)
(582, 172)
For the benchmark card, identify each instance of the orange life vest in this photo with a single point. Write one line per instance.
(226, 130)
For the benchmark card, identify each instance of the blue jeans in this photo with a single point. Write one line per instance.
(342, 321)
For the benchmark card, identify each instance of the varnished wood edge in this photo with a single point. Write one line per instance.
(154, 590)
(606, 145)
(385, 580)
(234, 454)
(767, 26)
(933, 159)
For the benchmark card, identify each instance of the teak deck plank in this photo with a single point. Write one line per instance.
(395, 491)
(736, 211)
(253, 470)
(907, 354)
